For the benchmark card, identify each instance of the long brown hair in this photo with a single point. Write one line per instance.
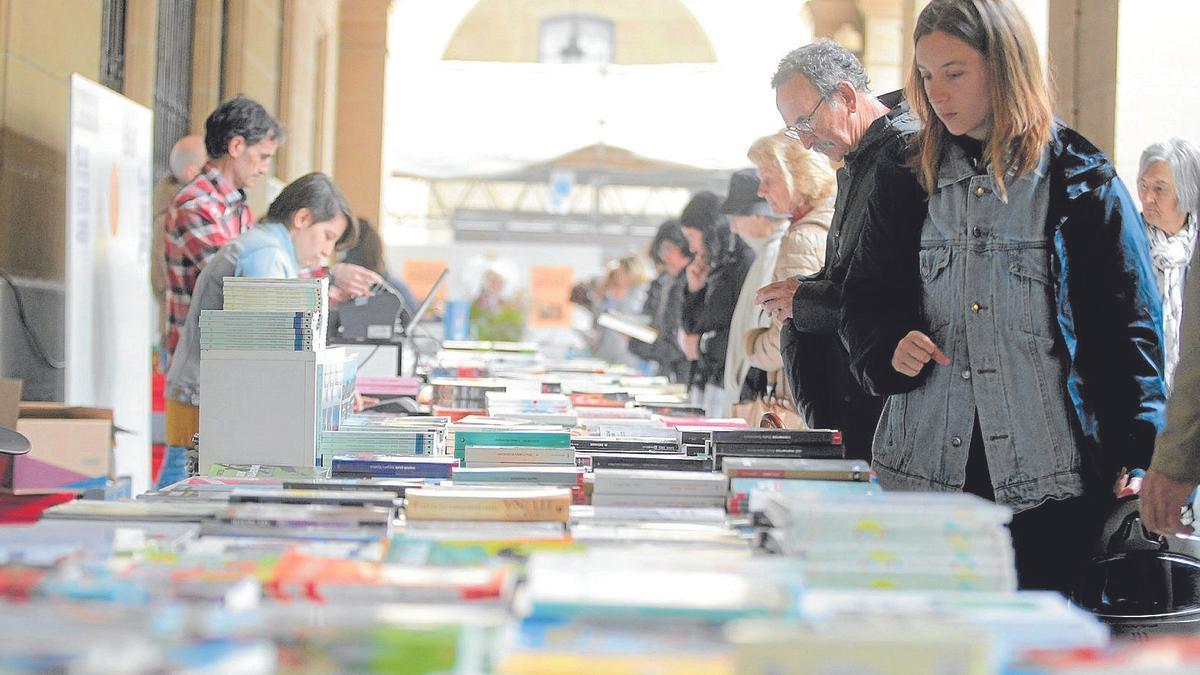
(1022, 117)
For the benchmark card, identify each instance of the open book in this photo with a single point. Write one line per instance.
(626, 325)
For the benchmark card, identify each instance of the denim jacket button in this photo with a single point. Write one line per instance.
(975, 307)
(966, 374)
(956, 441)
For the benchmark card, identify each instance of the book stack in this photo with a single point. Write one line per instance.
(550, 409)
(300, 521)
(256, 330)
(378, 498)
(655, 489)
(351, 484)
(661, 454)
(1021, 621)
(601, 397)
(777, 443)
(268, 315)
(658, 584)
(464, 394)
(384, 465)
(598, 413)
(911, 541)
(553, 476)
(610, 427)
(388, 387)
(751, 479)
(519, 437)
(505, 456)
(378, 440)
(926, 644)
(510, 504)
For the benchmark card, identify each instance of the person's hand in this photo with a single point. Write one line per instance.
(697, 274)
(337, 296)
(690, 345)
(362, 402)
(914, 351)
(1129, 483)
(354, 279)
(776, 298)
(1162, 498)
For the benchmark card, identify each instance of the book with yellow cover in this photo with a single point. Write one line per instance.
(519, 505)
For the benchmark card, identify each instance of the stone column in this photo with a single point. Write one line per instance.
(361, 110)
(883, 51)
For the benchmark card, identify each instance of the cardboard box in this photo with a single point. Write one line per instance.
(71, 447)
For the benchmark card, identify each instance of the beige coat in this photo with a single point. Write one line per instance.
(802, 252)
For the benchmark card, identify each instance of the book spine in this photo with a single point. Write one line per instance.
(659, 463)
(551, 509)
(625, 446)
(783, 451)
(663, 488)
(778, 437)
(392, 469)
(789, 474)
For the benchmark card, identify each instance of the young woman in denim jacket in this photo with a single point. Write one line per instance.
(1015, 323)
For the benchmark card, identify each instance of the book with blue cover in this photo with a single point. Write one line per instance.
(361, 464)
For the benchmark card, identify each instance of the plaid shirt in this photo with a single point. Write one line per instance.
(209, 213)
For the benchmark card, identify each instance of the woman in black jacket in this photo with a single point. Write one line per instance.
(1014, 323)
(664, 302)
(714, 281)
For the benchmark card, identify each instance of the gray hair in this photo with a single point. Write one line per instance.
(1184, 160)
(824, 63)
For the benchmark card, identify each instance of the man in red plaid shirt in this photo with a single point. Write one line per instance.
(240, 137)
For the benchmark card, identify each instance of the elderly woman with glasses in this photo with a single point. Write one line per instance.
(1169, 188)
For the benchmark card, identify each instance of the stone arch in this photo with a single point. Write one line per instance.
(645, 31)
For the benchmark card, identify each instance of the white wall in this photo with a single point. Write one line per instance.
(1157, 67)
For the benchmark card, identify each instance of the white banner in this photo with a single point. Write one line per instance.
(108, 315)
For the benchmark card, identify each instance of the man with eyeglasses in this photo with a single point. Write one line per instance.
(821, 93)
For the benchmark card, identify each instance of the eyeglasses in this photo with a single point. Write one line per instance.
(803, 124)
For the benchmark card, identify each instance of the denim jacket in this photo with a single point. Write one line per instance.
(1106, 326)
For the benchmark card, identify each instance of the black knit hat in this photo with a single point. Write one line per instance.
(672, 232)
(703, 212)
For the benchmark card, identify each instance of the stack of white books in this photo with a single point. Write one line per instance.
(654, 489)
(913, 541)
(504, 456)
(268, 315)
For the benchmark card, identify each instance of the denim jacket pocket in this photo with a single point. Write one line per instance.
(933, 261)
(1030, 292)
(936, 284)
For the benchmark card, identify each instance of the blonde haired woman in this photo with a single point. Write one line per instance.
(1015, 322)
(799, 183)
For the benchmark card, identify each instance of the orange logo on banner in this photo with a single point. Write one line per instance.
(550, 289)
